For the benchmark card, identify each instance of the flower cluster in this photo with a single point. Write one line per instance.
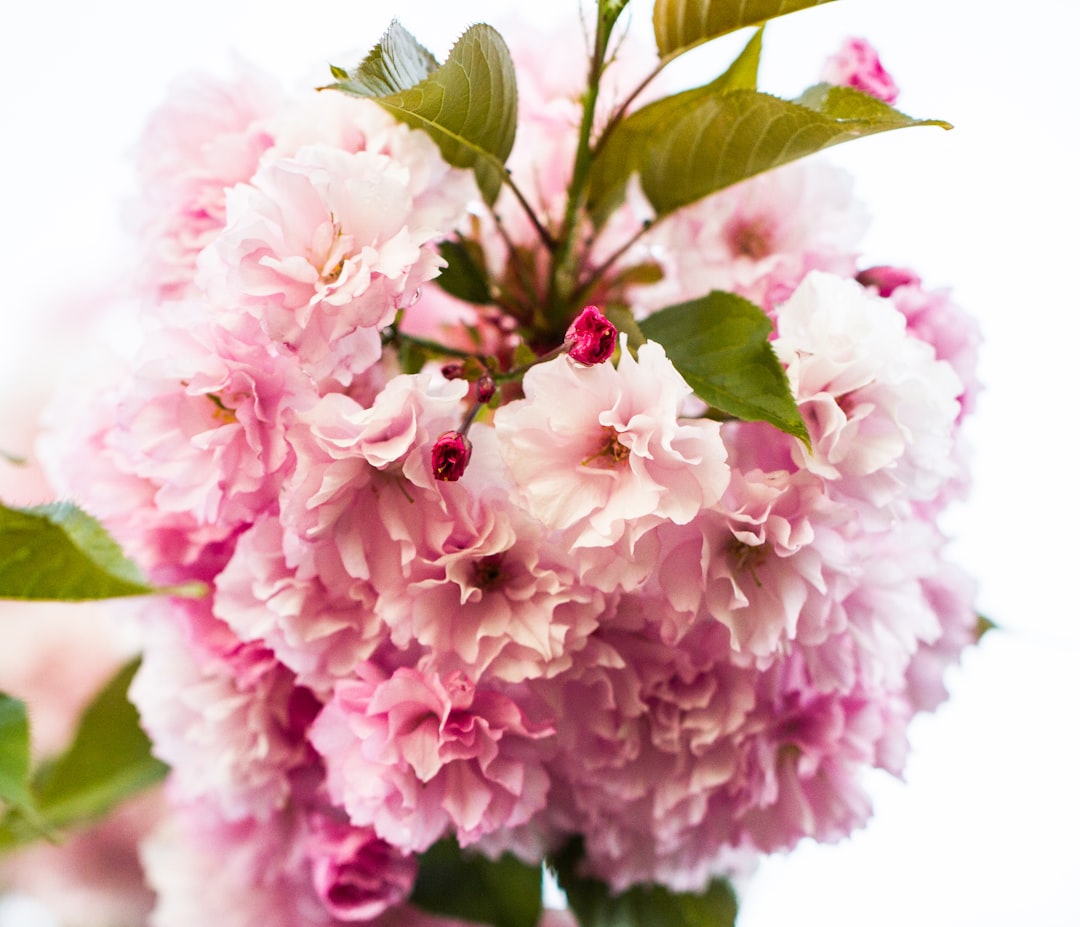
(529, 590)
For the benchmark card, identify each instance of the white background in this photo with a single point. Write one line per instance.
(984, 831)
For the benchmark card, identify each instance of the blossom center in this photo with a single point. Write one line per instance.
(610, 452)
(750, 238)
(748, 558)
(222, 412)
(487, 571)
(330, 252)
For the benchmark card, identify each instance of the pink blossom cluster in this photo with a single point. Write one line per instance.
(607, 616)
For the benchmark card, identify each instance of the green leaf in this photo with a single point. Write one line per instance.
(846, 104)
(694, 143)
(412, 357)
(680, 25)
(983, 626)
(612, 9)
(108, 760)
(398, 62)
(468, 105)
(465, 275)
(623, 319)
(720, 344)
(641, 906)
(504, 893)
(742, 74)
(59, 552)
(637, 275)
(14, 753)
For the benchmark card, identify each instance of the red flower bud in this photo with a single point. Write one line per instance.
(454, 370)
(591, 337)
(887, 279)
(485, 388)
(450, 456)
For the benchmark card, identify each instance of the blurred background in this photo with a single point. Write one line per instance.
(984, 831)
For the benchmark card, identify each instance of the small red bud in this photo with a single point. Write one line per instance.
(887, 278)
(453, 370)
(591, 337)
(450, 456)
(485, 388)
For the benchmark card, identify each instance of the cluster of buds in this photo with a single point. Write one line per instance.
(590, 340)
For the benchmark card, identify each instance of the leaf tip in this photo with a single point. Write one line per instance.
(190, 590)
(983, 626)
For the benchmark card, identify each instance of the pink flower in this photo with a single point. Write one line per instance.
(218, 712)
(856, 65)
(318, 623)
(450, 456)
(236, 873)
(591, 338)
(480, 584)
(759, 238)
(646, 737)
(416, 756)
(770, 563)
(324, 248)
(207, 137)
(87, 456)
(357, 875)
(950, 593)
(359, 471)
(950, 330)
(204, 416)
(617, 459)
(887, 616)
(880, 408)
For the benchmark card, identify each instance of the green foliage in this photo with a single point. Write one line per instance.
(397, 63)
(107, 761)
(720, 344)
(742, 74)
(58, 552)
(983, 626)
(412, 357)
(680, 25)
(612, 9)
(642, 906)
(623, 319)
(14, 753)
(687, 146)
(503, 893)
(465, 275)
(468, 105)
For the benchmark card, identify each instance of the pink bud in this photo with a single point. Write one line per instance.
(450, 456)
(454, 370)
(591, 337)
(485, 388)
(857, 65)
(886, 278)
